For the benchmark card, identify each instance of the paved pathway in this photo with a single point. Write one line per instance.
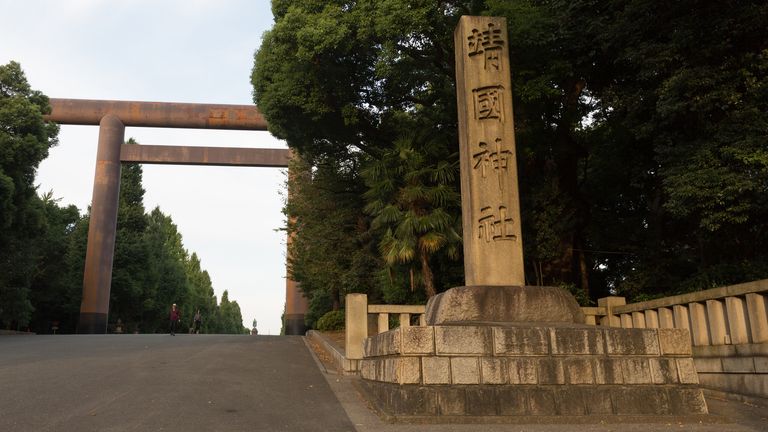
(223, 383)
(163, 383)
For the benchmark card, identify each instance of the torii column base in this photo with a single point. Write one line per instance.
(92, 323)
(294, 324)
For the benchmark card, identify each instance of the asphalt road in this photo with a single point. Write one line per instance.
(164, 383)
(229, 383)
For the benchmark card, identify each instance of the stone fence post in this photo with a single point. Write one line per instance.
(610, 319)
(356, 328)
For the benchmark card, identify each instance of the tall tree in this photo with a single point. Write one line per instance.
(24, 142)
(50, 292)
(132, 263)
(166, 281)
(201, 295)
(642, 155)
(396, 58)
(331, 253)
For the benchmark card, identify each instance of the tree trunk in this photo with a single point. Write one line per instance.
(426, 273)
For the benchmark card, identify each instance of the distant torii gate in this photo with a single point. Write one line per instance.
(112, 118)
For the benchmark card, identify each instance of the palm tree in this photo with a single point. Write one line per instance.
(410, 193)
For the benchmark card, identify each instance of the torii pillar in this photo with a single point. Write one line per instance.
(112, 118)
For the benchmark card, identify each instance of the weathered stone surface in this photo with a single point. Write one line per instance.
(545, 400)
(570, 341)
(387, 370)
(761, 364)
(745, 384)
(367, 369)
(414, 401)
(513, 400)
(636, 370)
(355, 317)
(383, 344)
(686, 370)
(540, 371)
(608, 371)
(436, 370)
(408, 370)
(404, 400)
(708, 365)
(465, 370)
(481, 401)
(571, 400)
(739, 365)
(550, 371)
(541, 401)
(493, 370)
(640, 400)
(417, 340)
(452, 401)
(598, 401)
(686, 401)
(521, 340)
(675, 342)
(451, 340)
(632, 342)
(578, 371)
(663, 370)
(522, 371)
(504, 305)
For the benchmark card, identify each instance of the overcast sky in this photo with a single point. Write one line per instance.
(166, 51)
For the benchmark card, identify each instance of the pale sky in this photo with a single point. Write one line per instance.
(165, 51)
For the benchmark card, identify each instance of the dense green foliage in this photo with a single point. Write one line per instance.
(42, 245)
(332, 320)
(24, 142)
(641, 142)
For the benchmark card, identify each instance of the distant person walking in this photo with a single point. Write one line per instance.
(198, 320)
(174, 319)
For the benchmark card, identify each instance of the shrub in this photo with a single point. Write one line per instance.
(333, 320)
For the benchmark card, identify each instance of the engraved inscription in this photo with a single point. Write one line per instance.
(488, 42)
(489, 103)
(496, 158)
(495, 226)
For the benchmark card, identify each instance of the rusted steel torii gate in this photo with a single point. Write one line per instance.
(112, 118)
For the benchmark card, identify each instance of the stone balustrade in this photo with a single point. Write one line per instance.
(730, 315)
(357, 316)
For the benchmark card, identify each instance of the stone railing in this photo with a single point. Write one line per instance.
(730, 315)
(358, 315)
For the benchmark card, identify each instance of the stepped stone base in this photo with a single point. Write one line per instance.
(531, 370)
(534, 401)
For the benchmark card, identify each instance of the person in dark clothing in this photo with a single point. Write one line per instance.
(174, 319)
(198, 320)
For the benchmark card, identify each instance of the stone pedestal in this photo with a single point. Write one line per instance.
(531, 370)
(503, 305)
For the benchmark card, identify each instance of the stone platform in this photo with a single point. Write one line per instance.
(531, 370)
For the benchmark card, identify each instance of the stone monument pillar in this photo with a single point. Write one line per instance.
(495, 290)
(493, 244)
